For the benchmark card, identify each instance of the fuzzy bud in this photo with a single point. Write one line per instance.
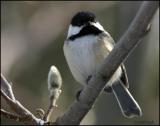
(54, 81)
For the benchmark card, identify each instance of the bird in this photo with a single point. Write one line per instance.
(85, 48)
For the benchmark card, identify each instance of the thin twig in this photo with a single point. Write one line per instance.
(13, 104)
(54, 85)
(49, 111)
(6, 87)
(128, 41)
(28, 117)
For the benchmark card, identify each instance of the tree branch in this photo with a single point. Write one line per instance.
(26, 116)
(6, 87)
(125, 45)
(49, 110)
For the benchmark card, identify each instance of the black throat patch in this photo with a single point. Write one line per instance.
(87, 30)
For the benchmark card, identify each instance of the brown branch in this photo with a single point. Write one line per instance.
(26, 115)
(13, 104)
(49, 111)
(6, 87)
(128, 41)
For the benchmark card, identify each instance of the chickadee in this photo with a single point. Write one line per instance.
(85, 48)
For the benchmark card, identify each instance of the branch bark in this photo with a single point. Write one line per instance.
(23, 114)
(6, 87)
(49, 110)
(125, 45)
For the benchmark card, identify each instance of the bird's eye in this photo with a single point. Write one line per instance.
(88, 23)
(95, 21)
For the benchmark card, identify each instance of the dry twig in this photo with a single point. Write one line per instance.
(23, 114)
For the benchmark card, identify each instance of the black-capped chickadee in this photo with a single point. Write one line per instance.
(85, 48)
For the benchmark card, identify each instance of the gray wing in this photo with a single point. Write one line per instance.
(108, 37)
(124, 77)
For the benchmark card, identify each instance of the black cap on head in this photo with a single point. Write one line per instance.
(82, 18)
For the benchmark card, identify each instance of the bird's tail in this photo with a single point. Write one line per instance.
(127, 103)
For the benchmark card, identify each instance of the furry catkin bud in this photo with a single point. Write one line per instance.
(54, 80)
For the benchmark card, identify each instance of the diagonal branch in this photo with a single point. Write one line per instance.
(14, 105)
(26, 116)
(125, 45)
(6, 87)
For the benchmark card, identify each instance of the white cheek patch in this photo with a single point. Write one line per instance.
(97, 24)
(73, 30)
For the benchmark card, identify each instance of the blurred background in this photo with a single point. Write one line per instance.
(32, 37)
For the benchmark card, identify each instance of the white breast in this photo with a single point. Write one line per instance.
(84, 55)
